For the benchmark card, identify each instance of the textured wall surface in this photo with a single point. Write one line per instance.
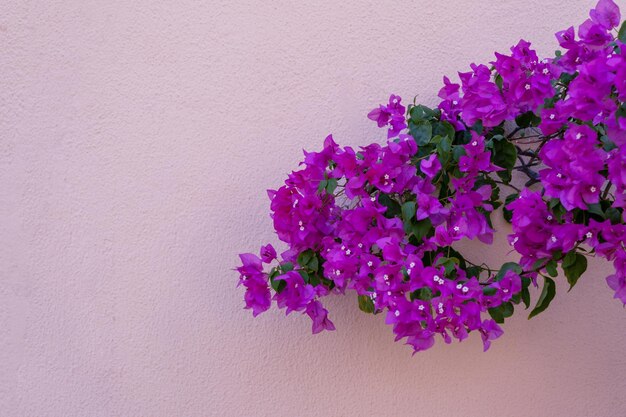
(136, 142)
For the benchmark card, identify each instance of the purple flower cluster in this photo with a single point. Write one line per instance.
(522, 84)
(585, 158)
(574, 164)
(383, 220)
(364, 248)
(391, 115)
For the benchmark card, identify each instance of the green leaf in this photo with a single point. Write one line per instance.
(547, 294)
(473, 271)
(489, 291)
(393, 207)
(553, 203)
(596, 209)
(286, 267)
(569, 259)
(478, 127)
(322, 186)
(421, 229)
(366, 304)
(421, 131)
(503, 311)
(508, 214)
(528, 119)
(458, 256)
(526, 296)
(304, 275)
(551, 268)
(331, 186)
(507, 309)
(420, 112)
(621, 35)
(498, 80)
(574, 265)
(538, 264)
(444, 129)
(447, 263)
(504, 154)
(458, 152)
(314, 280)
(305, 257)
(444, 147)
(566, 77)
(277, 284)
(423, 293)
(408, 210)
(509, 266)
(516, 298)
(496, 314)
(614, 215)
(505, 176)
(608, 144)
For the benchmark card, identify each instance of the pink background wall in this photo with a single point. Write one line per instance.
(136, 142)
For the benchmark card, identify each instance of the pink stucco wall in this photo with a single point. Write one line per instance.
(136, 142)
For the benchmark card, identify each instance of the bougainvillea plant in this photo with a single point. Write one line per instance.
(383, 220)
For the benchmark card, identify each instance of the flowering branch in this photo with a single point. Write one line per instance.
(383, 220)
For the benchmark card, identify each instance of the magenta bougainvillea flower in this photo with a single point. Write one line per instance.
(383, 221)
